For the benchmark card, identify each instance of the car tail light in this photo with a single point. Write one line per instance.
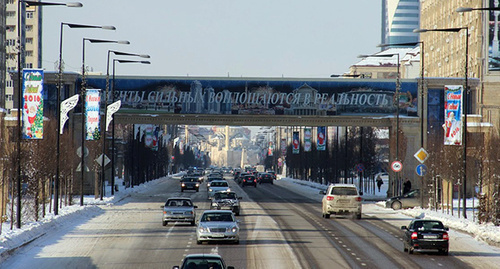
(414, 235)
(359, 199)
(445, 236)
(329, 198)
(255, 180)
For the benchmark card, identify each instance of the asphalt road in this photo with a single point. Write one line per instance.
(279, 229)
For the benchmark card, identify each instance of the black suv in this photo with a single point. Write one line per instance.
(265, 178)
(226, 200)
(248, 180)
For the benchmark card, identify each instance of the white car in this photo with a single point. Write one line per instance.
(341, 199)
(216, 186)
(218, 225)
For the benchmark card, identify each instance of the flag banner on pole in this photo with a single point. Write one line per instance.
(66, 107)
(270, 149)
(296, 143)
(32, 104)
(321, 142)
(307, 139)
(283, 147)
(92, 114)
(453, 115)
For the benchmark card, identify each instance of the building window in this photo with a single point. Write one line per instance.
(29, 28)
(8, 97)
(11, 1)
(29, 53)
(11, 56)
(30, 15)
(10, 14)
(29, 40)
(29, 65)
(10, 28)
(11, 42)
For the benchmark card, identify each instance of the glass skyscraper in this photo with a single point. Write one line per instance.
(399, 18)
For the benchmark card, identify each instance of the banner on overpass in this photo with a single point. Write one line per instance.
(257, 97)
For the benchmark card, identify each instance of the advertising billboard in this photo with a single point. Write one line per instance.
(92, 114)
(453, 115)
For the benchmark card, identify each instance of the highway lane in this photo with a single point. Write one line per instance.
(365, 243)
(279, 229)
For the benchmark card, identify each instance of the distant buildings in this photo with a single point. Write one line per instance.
(399, 18)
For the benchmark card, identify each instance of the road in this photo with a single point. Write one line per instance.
(280, 228)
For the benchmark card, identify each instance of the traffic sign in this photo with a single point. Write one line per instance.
(396, 166)
(360, 167)
(421, 155)
(421, 170)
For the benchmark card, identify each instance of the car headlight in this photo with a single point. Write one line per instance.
(210, 190)
(234, 229)
(203, 229)
(228, 189)
(197, 185)
(183, 185)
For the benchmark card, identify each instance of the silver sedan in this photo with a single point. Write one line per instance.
(179, 209)
(217, 225)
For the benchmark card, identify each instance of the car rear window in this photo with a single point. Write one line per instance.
(218, 184)
(344, 191)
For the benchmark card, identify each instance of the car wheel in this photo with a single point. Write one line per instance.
(410, 250)
(404, 248)
(255, 185)
(193, 223)
(396, 205)
(197, 190)
(198, 242)
(164, 223)
(327, 216)
(237, 213)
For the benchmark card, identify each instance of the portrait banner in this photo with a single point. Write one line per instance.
(92, 114)
(307, 139)
(296, 143)
(321, 141)
(453, 115)
(32, 112)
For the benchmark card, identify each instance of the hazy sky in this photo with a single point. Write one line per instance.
(256, 38)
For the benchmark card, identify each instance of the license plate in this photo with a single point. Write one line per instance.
(344, 201)
(218, 235)
(432, 236)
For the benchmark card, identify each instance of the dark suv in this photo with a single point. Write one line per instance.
(248, 180)
(226, 201)
(265, 178)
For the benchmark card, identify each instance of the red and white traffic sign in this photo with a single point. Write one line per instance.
(396, 166)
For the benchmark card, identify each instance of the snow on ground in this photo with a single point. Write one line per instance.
(12, 239)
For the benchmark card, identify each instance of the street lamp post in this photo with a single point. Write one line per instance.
(465, 99)
(119, 53)
(398, 89)
(422, 56)
(82, 99)
(113, 123)
(20, 61)
(58, 112)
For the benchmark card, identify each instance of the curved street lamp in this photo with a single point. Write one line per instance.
(120, 53)
(82, 99)
(465, 99)
(58, 112)
(398, 88)
(20, 61)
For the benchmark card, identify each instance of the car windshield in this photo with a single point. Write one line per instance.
(223, 195)
(217, 217)
(179, 203)
(344, 191)
(427, 225)
(218, 184)
(202, 262)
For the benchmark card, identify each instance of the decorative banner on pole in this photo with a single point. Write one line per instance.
(92, 113)
(66, 106)
(307, 139)
(32, 106)
(321, 144)
(296, 143)
(283, 147)
(112, 108)
(453, 115)
(270, 149)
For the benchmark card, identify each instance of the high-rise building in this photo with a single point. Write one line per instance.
(31, 55)
(2, 53)
(399, 18)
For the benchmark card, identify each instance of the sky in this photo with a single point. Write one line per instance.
(217, 38)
